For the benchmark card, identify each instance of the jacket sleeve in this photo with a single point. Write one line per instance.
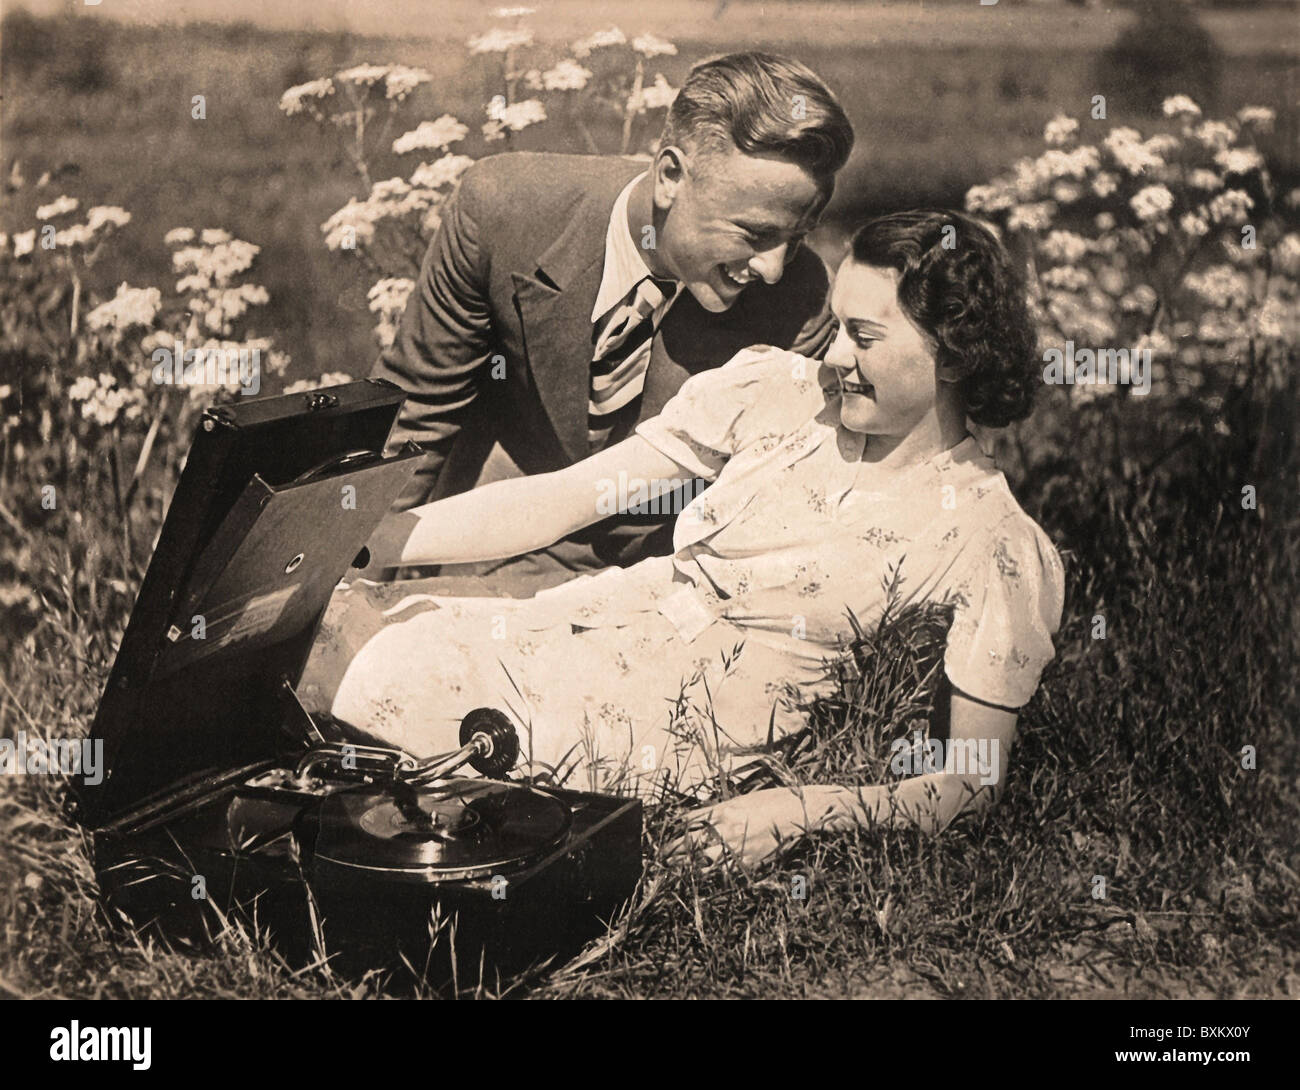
(443, 345)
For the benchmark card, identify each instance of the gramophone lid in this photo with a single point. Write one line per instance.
(260, 530)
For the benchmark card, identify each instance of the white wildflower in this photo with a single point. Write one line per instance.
(82, 388)
(1215, 135)
(440, 172)
(1162, 144)
(1219, 285)
(79, 234)
(352, 226)
(1194, 224)
(218, 264)
(1151, 202)
(1140, 300)
(178, 236)
(129, 307)
(1105, 183)
(1066, 192)
(60, 207)
(499, 40)
(1065, 247)
(1060, 130)
(988, 199)
(650, 46)
(1271, 320)
(1067, 278)
(1104, 221)
(294, 99)
(390, 294)
(1258, 117)
(1238, 160)
(658, 96)
(401, 81)
(24, 242)
(602, 39)
(1180, 106)
(364, 75)
(1231, 206)
(1031, 217)
(431, 134)
(214, 236)
(1126, 148)
(568, 75)
(107, 215)
(1200, 178)
(1111, 280)
(515, 117)
(1286, 255)
(512, 13)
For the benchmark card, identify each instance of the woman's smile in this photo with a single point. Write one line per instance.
(863, 389)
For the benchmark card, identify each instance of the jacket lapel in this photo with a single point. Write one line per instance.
(555, 300)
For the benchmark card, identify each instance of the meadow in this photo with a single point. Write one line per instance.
(1160, 756)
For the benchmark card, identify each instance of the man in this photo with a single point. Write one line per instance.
(566, 298)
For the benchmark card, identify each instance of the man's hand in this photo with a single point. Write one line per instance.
(749, 828)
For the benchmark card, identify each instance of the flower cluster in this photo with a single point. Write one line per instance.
(387, 300)
(1107, 220)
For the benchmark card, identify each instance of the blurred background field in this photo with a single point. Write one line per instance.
(943, 96)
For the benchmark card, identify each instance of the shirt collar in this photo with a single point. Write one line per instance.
(624, 266)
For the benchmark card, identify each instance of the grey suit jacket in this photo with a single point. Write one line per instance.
(496, 340)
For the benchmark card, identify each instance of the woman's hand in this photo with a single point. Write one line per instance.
(749, 828)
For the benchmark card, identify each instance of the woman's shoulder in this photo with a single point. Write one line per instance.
(1018, 548)
(777, 379)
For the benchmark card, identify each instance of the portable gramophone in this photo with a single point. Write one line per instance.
(221, 792)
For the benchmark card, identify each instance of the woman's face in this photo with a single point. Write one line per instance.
(884, 364)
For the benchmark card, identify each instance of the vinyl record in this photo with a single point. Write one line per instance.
(460, 828)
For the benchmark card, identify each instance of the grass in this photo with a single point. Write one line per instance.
(1128, 766)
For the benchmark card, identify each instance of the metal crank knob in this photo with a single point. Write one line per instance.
(496, 738)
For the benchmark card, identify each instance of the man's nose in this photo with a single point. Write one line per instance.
(770, 264)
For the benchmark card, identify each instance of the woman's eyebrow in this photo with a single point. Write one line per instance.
(866, 325)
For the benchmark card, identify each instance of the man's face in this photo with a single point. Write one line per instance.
(728, 219)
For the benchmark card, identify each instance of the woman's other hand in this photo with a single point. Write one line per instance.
(749, 828)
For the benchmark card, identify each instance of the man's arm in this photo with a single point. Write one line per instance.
(445, 338)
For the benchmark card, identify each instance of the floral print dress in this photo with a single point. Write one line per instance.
(659, 674)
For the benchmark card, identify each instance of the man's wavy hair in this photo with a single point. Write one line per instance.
(961, 288)
(760, 103)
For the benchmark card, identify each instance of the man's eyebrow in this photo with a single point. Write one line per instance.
(761, 227)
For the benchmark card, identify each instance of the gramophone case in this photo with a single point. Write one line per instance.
(205, 809)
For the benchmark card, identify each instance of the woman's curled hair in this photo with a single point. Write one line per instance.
(961, 288)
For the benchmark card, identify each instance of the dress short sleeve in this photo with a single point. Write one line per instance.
(1006, 615)
(700, 427)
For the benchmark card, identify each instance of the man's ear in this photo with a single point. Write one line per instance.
(669, 172)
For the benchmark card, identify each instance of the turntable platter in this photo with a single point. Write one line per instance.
(460, 828)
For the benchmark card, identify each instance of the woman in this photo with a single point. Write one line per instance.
(830, 482)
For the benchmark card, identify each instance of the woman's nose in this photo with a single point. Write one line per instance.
(840, 354)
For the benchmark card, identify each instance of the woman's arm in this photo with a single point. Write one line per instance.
(974, 766)
(516, 516)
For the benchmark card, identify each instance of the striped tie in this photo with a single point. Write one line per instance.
(625, 330)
